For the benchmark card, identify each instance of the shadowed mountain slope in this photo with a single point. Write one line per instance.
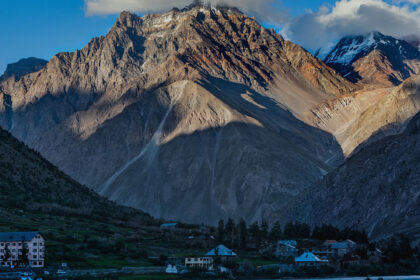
(377, 189)
(112, 114)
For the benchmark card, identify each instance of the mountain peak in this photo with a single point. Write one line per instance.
(374, 54)
(23, 67)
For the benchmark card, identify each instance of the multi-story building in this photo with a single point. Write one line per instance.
(12, 244)
(201, 262)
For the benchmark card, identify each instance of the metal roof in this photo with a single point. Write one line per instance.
(221, 251)
(169, 225)
(17, 236)
(288, 242)
(308, 257)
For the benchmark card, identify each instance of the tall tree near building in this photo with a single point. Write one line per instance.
(23, 256)
(264, 229)
(221, 231)
(275, 233)
(6, 256)
(229, 231)
(243, 234)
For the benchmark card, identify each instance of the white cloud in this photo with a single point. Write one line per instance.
(351, 17)
(266, 10)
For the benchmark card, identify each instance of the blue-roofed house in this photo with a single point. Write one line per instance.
(309, 259)
(221, 251)
(288, 242)
(169, 226)
(13, 243)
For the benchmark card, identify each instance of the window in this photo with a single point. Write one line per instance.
(35, 256)
(13, 250)
(19, 244)
(13, 244)
(34, 250)
(41, 244)
(35, 243)
(1, 244)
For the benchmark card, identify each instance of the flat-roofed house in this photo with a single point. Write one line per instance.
(12, 244)
(201, 262)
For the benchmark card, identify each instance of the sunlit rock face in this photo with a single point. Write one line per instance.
(195, 115)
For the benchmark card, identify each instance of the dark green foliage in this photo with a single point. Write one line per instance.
(297, 230)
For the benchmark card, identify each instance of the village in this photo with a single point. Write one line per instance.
(228, 251)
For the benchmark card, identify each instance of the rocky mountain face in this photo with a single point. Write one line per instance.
(377, 189)
(195, 115)
(23, 67)
(369, 114)
(374, 59)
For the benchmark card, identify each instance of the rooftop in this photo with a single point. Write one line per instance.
(17, 236)
(308, 257)
(222, 251)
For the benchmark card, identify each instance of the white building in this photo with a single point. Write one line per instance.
(13, 242)
(201, 262)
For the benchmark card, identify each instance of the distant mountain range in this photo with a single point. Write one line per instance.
(201, 114)
(374, 59)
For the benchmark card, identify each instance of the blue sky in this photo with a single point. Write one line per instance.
(42, 28)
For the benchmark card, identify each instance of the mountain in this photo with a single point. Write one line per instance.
(374, 59)
(376, 189)
(369, 114)
(23, 67)
(32, 184)
(413, 40)
(36, 196)
(195, 115)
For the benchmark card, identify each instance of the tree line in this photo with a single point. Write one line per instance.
(241, 235)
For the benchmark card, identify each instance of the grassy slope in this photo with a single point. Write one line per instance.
(81, 227)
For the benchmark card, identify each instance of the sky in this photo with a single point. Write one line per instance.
(43, 28)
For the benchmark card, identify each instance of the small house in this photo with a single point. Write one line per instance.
(309, 259)
(223, 252)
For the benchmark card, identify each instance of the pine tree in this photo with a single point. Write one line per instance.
(243, 234)
(264, 229)
(221, 232)
(229, 231)
(23, 256)
(275, 233)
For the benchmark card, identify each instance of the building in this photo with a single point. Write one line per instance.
(222, 252)
(309, 259)
(343, 248)
(169, 226)
(13, 243)
(325, 253)
(285, 251)
(199, 262)
(288, 242)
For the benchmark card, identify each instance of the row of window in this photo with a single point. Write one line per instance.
(20, 250)
(33, 257)
(20, 244)
(37, 263)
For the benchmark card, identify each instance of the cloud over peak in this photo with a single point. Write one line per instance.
(266, 10)
(353, 17)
